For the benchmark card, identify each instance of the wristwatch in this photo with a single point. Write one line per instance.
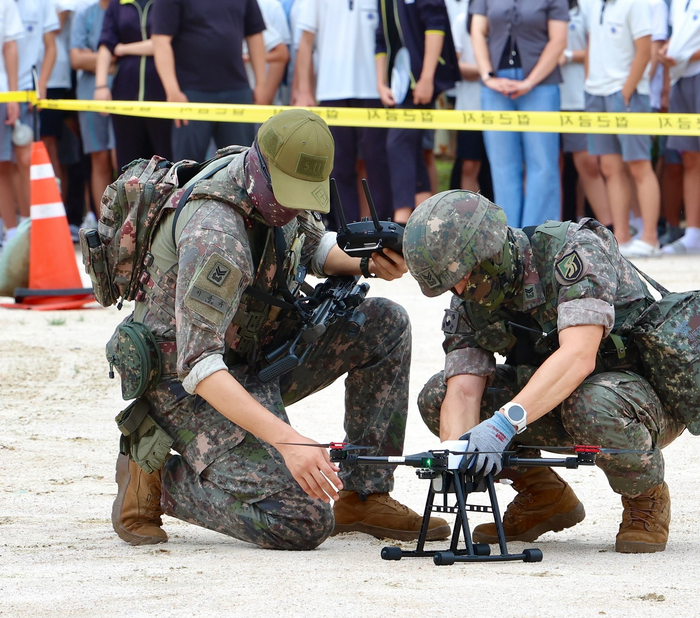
(364, 268)
(516, 415)
(490, 74)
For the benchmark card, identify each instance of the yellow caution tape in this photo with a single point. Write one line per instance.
(23, 96)
(545, 122)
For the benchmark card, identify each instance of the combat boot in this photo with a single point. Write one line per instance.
(136, 510)
(383, 517)
(545, 503)
(645, 521)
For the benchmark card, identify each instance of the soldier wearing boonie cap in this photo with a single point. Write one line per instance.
(236, 470)
(551, 300)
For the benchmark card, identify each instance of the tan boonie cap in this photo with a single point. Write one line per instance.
(298, 149)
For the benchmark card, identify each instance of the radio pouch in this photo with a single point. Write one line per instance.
(142, 438)
(135, 353)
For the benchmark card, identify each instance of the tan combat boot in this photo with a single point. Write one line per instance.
(136, 511)
(544, 503)
(383, 517)
(645, 521)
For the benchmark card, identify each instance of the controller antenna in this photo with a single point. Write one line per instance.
(372, 209)
(335, 199)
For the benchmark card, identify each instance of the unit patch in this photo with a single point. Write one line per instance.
(213, 289)
(570, 268)
(450, 322)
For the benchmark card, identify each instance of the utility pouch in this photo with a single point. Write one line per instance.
(95, 262)
(142, 438)
(135, 353)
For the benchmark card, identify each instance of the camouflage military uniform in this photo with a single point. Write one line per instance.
(225, 478)
(572, 275)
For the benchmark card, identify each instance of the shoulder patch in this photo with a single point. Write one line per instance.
(450, 322)
(570, 268)
(212, 291)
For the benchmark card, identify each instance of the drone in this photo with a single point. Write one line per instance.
(448, 469)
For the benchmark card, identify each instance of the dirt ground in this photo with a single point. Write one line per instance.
(60, 557)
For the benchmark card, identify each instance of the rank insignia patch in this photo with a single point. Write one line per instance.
(217, 275)
(212, 291)
(570, 268)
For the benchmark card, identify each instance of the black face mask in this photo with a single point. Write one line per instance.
(494, 282)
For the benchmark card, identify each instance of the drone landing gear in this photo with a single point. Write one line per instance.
(459, 483)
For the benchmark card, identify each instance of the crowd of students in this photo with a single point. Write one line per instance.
(585, 55)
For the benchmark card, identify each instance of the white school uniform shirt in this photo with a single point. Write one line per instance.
(613, 27)
(61, 73)
(685, 38)
(573, 73)
(11, 29)
(38, 18)
(468, 93)
(344, 35)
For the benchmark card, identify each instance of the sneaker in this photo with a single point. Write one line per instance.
(680, 248)
(89, 221)
(383, 517)
(639, 249)
(672, 234)
(9, 234)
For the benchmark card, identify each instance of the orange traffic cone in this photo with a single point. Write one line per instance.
(54, 280)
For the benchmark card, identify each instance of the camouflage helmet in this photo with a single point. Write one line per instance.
(448, 235)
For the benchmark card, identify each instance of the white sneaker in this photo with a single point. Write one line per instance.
(679, 248)
(639, 249)
(89, 222)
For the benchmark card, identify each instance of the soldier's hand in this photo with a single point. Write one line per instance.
(312, 468)
(388, 265)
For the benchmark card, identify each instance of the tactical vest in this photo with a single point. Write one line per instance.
(528, 338)
(262, 318)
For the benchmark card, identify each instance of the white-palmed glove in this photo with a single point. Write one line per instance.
(489, 439)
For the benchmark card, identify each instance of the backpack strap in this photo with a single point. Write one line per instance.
(207, 172)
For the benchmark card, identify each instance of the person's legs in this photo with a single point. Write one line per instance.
(227, 480)
(670, 172)
(160, 140)
(505, 153)
(129, 136)
(374, 154)
(618, 190)
(649, 197)
(8, 202)
(593, 185)
(377, 362)
(544, 501)
(620, 410)
(101, 173)
(470, 150)
(541, 153)
(233, 133)
(344, 168)
(685, 98)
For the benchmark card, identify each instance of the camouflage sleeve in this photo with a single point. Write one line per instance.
(588, 283)
(214, 268)
(314, 231)
(462, 353)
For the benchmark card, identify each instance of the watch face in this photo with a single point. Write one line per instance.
(516, 413)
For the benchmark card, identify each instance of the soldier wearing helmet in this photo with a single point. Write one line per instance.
(551, 300)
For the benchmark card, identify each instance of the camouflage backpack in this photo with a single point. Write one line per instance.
(667, 336)
(115, 254)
